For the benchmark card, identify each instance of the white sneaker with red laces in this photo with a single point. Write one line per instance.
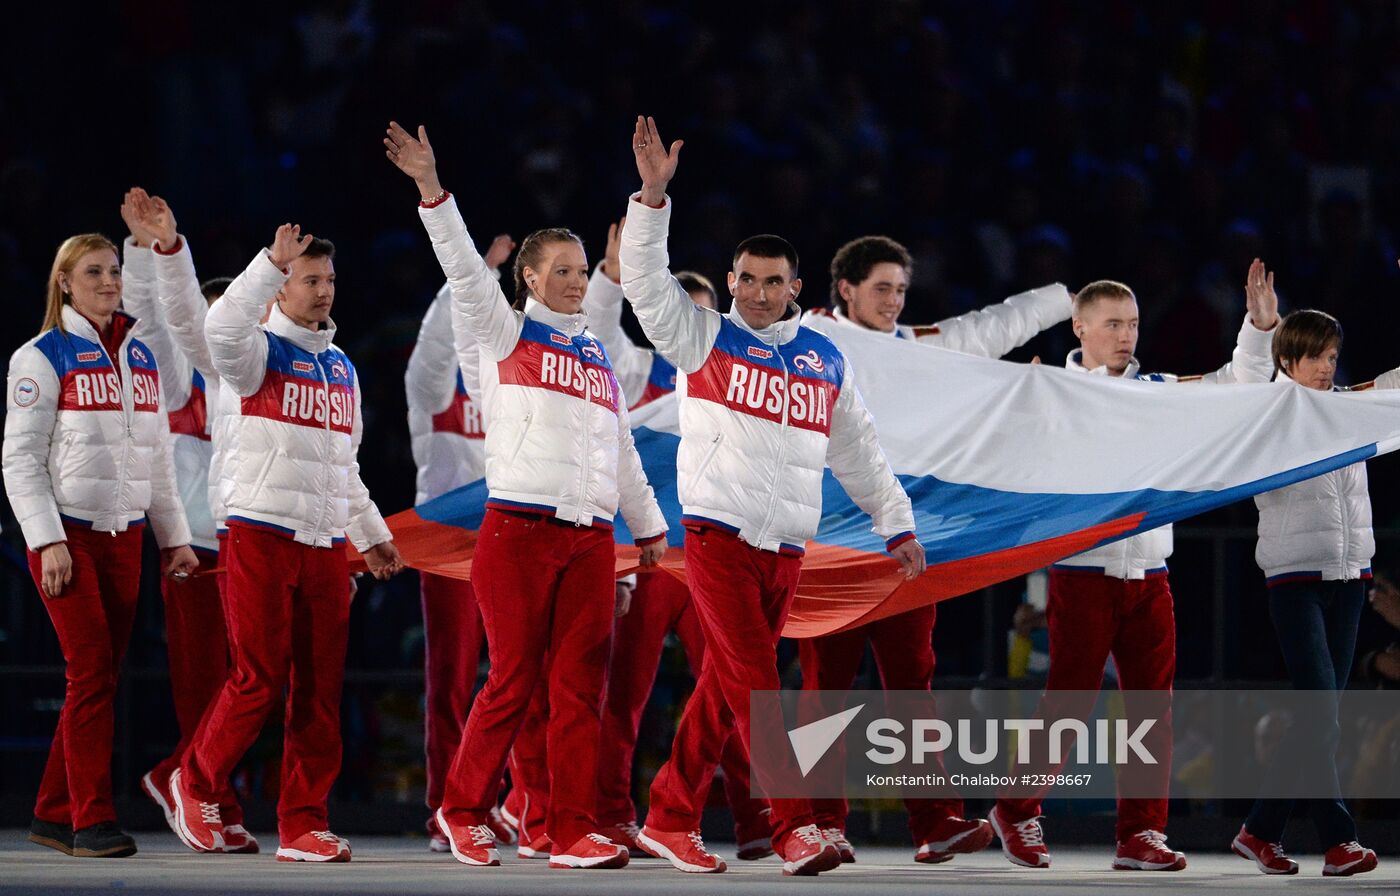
(1023, 842)
(471, 844)
(844, 849)
(807, 851)
(315, 846)
(1346, 859)
(1148, 851)
(1270, 857)
(684, 850)
(591, 851)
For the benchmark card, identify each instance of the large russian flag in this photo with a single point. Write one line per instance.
(1010, 468)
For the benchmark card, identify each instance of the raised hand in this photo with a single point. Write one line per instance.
(611, 268)
(655, 163)
(1260, 297)
(499, 251)
(161, 221)
(132, 217)
(288, 244)
(413, 157)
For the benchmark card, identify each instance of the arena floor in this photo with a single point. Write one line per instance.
(403, 867)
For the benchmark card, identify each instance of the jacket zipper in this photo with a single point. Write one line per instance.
(128, 401)
(1346, 529)
(325, 458)
(782, 448)
(583, 466)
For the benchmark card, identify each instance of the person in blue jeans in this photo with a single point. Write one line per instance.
(1315, 547)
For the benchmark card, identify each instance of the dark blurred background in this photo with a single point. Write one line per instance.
(1008, 144)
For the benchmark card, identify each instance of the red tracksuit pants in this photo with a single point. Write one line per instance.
(452, 651)
(93, 618)
(660, 604)
(741, 596)
(1092, 616)
(289, 617)
(903, 646)
(546, 595)
(197, 643)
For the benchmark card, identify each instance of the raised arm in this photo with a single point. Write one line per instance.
(993, 331)
(139, 289)
(431, 377)
(631, 363)
(181, 303)
(682, 331)
(237, 345)
(1253, 358)
(476, 295)
(859, 464)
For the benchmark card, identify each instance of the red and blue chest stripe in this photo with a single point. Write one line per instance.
(548, 359)
(87, 380)
(305, 389)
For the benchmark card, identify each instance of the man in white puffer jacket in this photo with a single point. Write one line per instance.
(293, 495)
(766, 406)
(1115, 600)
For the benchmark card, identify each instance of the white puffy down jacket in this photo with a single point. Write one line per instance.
(86, 443)
(1319, 529)
(444, 423)
(296, 428)
(558, 439)
(185, 388)
(1147, 553)
(762, 412)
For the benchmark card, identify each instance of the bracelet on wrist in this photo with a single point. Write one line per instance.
(430, 201)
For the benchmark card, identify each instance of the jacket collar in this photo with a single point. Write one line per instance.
(780, 333)
(74, 322)
(314, 341)
(570, 324)
(1074, 362)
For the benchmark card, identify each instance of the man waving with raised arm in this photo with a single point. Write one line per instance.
(766, 406)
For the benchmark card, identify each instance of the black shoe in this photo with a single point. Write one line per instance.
(103, 840)
(53, 835)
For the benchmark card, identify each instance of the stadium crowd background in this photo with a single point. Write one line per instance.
(1008, 144)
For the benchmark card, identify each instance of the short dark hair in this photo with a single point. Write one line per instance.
(1304, 334)
(320, 248)
(214, 287)
(767, 245)
(1100, 289)
(691, 281)
(854, 261)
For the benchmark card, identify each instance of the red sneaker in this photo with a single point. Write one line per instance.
(684, 850)
(238, 839)
(951, 836)
(159, 792)
(591, 851)
(1023, 842)
(196, 824)
(1270, 857)
(504, 829)
(625, 834)
(437, 840)
(844, 849)
(754, 836)
(471, 844)
(315, 846)
(807, 851)
(1346, 859)
(538, 848)
(1148, 851)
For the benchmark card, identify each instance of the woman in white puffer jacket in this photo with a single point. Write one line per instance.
(1315, 547)
(87, 462)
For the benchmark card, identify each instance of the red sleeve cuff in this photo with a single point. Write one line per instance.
(423, 203)
(643, 542)
(173, 250)
(638, 199)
